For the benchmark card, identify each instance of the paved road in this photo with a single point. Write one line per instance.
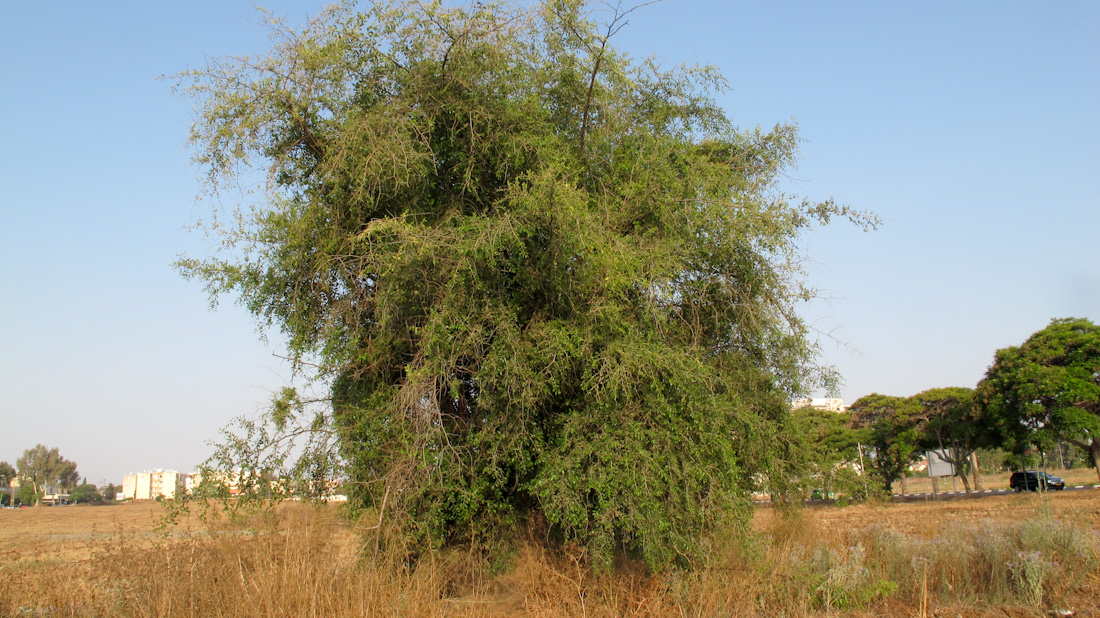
(943, 495)
(959, 495)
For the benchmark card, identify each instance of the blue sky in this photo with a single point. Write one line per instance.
(972, 129)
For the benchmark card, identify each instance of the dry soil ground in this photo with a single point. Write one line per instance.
(72, 531)
(926, 518)
(60, 534)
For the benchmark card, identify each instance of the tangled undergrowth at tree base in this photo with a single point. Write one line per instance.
(306, 561)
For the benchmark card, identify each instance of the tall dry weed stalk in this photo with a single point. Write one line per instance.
(302, 561)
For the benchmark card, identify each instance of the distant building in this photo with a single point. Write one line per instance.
(195, 480)
(830, 404)
(153, 484)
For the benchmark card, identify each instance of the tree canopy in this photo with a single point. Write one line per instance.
(1047, 388)
(86, 492)
(896, 428)
(823, 452)
(903, 429)
(7, 473)
(955, 428)
(541, 278)
(42, 467)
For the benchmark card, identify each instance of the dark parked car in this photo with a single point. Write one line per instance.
(1032, 479)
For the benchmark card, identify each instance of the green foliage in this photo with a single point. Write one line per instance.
(289, 451)
(991, 460)
(42, 467)
(85, 493)
(956, 428)
(896, 429)
(541, 279)
(28, 495)
(7, 474)
(822, 452)
(902, 429)
(1048, 388)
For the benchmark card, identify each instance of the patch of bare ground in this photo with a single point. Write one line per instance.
(61, 534)
(928, 518)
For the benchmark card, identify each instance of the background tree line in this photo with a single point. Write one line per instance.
(1039, 395)
(41, 470)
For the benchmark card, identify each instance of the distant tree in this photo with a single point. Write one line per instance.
(7, 473)
(822, 450)
(1047, 389)
(895, 428)
(27, 495)
(85, 493)
(955, 428)
(109, 491)
(42, 467)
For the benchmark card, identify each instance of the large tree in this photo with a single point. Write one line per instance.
(42, 467)
(540, 277)
(1048, 388)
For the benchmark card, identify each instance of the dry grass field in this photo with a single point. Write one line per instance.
(1013, 555)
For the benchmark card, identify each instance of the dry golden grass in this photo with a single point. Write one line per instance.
(927, 518)
(64, 534)
(965, 558)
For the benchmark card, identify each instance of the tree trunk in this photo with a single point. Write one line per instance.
(966, 483)
(978, 484)
(1094, 450)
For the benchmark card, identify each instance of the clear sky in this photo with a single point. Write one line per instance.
(972, 129)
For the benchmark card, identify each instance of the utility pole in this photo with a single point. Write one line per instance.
(863, 471)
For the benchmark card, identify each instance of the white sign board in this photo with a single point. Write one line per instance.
(937, 466)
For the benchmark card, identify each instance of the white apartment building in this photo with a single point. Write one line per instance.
(153, 484)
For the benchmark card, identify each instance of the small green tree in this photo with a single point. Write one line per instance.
(85, 493)
(540, 278)
(823, 451)
(955, 429)
(896, 428)
(27, 495)
(1047, 389)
